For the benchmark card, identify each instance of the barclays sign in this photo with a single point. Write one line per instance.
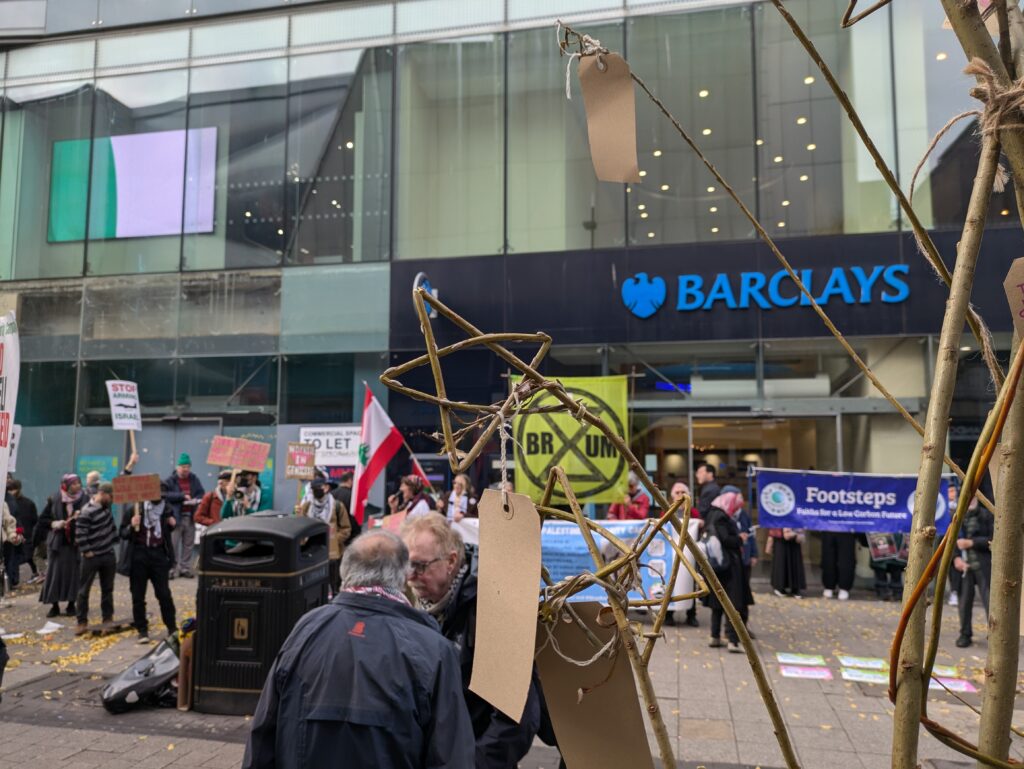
(644, 295)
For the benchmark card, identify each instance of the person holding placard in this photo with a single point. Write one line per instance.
(148, 535)
(184, 493)
(58, 519)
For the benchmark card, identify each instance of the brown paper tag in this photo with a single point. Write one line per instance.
(508, 586)
(611, 117)
(1014, 288)
(595, 710)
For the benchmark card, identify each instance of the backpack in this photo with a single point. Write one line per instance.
(711, 546)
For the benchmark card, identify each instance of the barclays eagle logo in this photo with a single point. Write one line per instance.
(643, 296)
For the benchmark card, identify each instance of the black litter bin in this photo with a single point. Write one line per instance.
(257, 575)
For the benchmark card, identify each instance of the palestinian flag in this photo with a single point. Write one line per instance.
(379, 441)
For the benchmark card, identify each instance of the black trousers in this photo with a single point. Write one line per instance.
(838, 558)
(888, 579)
(717, 615)
(106, 567)
(974, 580)
(151, 564)
(334, 575)
(12, 562)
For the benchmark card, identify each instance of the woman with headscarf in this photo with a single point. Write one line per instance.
(684, 582)
(58, 518)
(721, 522)
(460, 502)
(411, 498)
(788, 577)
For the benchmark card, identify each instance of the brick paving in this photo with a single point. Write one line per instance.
(50, 717)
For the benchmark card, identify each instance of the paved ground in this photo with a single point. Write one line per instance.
(50, 717)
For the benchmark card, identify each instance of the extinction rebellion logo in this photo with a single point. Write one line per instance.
(777, 499)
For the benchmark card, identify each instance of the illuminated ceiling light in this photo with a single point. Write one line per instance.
(629, 189)
(248, 213)
(809, 79)
(644, 215)
(785, 202)
(703, 93)
(801, 120)
(777, 159)
(349, 145)
(711, 189)
(641, 207)
(812, 147)
(759, 142)
(706, 132)
(650, 234)
(781, 224)
(804, 177)
(713, 209)
(714, 229)
(334, 202)
(941, 56)
(657, 153)
(965, 348)
(1005, 212)
(664, 188)
(280, 231)
(642, 174)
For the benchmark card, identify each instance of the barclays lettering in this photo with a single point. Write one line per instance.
(644, 296)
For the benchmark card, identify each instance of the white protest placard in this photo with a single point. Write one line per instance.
(10, 370)
(12, 463)
(336, 445)
(125, 413)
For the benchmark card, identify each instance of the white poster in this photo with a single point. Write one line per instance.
(125, 413)
(336, 445)
(10, 369)
(12, 463)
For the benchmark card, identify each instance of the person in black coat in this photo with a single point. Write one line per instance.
(365, 681)
(58, 521)
(709, 488)
(25, 513)
(443, 575)
(720, 522)
(974, 561)
(148, 537)
(184, 493)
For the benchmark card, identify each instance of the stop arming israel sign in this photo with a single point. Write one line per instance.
(125, 413)
(855, 502)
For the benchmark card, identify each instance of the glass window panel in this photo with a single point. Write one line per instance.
(427, 15)
(51, 58)
(210, 7)
(49, 321)
(550, 10)
(44, 186)
(131, 317)
(555, 202)
(224, 384)
(155, 379)
(123, 12)
(450, 148)
(230, 313)
(314, 320)
(930, 90)
(339, 157)
(70, 15)
(46, 395)
(317, 389)
(700, 65)
(129, 50)
(245, 106)
(240, 37)
(343, 24)
(139, 189)
(815, 176)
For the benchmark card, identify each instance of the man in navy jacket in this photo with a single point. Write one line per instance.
(184, 493)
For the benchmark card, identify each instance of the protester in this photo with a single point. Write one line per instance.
(9, 535)
(27, 517)
(956, 577)
(460, 502)
(709, 488)
(745, 524)
(148, 536)
(10, 549)
(96, 535)
(332, 512)
(634, 505)
(218, 503)
(785, 547)
(247, 497)
(887, 562)
(343, 493)
(975, 563)
(443, 575)
(366, 680)
(684, 581)
(838, 559)
(721, 521)
(92, 482)
(411, 498)
(58, 519)
(184, 494)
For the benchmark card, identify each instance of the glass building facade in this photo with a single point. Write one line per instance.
(214, 197)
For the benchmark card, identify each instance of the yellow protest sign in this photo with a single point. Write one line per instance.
(595, 469)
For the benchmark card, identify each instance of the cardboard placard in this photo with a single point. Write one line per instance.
(12, 463)
(1013, 285)
(136, 488)
(393, 522)
(603, 728)
(611, 116)
(238, 453)
(221, 450)
(507, 589)
(301, 461)
(125, 411)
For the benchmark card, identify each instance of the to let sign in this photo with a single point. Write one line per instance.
(136, 488)
(125, 413)
(301, 461)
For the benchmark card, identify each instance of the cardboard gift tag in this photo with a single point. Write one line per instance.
(611, 116)
(604, 727)
(1014, 288)
(508, 586)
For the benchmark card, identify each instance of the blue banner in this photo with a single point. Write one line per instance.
(565, 554)
(843, 501)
